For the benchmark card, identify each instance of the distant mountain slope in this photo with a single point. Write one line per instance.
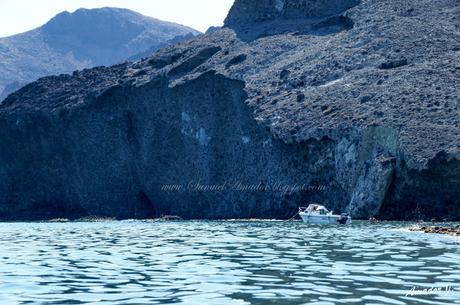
(85, 38)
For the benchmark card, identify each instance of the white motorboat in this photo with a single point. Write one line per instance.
(318, 214)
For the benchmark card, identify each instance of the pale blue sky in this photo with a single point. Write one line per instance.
(18, 16)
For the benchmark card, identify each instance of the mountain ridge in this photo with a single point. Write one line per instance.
(82, 39)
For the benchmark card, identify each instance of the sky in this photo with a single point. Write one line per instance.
(17, 16)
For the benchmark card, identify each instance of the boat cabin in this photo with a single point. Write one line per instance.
(317, 209)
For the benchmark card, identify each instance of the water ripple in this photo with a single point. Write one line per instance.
(189, 263)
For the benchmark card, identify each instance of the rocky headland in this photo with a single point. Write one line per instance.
(357, 100)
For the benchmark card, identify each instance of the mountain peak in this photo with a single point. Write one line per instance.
(81, 39)
(108, 27)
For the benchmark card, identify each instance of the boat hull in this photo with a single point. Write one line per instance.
(325, 219)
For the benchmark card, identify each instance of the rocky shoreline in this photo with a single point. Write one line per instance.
(450, 230)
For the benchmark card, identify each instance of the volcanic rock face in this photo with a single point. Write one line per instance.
(248, 121)
(247, 12)
(255, 19)
(83, 39)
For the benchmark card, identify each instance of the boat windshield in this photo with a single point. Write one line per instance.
(317, 208)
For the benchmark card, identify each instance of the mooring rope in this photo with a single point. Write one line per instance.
(292, 218)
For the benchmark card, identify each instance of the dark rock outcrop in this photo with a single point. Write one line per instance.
(449, 230)
(255, 19)
(247, 12)
(83, 39)
(248, 121)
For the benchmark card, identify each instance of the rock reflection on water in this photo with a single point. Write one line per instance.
(133, 262)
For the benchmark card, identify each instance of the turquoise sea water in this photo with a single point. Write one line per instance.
(266, 262)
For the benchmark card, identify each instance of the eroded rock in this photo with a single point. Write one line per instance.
(304, 108)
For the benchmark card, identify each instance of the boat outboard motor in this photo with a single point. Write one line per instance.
(343, 218)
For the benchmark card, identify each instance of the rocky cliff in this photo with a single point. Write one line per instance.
(82, 39)
(354, 104)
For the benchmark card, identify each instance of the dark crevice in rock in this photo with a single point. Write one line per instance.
(131, 131)
(236, 60)
(371, 188)
(392, 64)
(416, 194)
(163, 61)
(145, 207)
(195, 61)
(284, 74)
(333, 25)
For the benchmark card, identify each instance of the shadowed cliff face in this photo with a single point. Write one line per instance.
(247, 12)
(134, 147)
(363, 119)
(255, 19)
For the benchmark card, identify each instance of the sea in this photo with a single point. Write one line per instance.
(226, 262)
